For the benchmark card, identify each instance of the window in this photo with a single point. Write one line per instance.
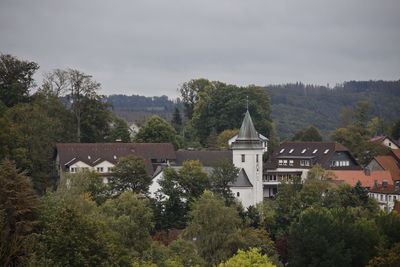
(291, 162)
(285, 162)
(257, 158)
(315, 151)
(282, 150)
(243, 158)
(280, 162)
(390, 144)
(303, 151)
(73, 169)
(326, 151)
(394, 197)
(381, 197)
(88, 157)
(100, 169)
(304, 163)
(238, 194)
(110, 169)
(291, 151)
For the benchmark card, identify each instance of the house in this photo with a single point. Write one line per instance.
(386, 141)
(389, 163)
(368, 179)
(102, 157)
(386, 194)
(297, 158)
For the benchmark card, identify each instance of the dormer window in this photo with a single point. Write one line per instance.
(291, 151)
(282, 150)
(326, 151)
(115, 157)
(303, 151)
(315, 151)
(88, 157)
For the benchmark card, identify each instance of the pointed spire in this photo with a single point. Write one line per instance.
(247, 130)
(248, 137)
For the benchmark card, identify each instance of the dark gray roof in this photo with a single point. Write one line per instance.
(248, 137)
(242, 180)
(207, 158)
(318, 152)
(95, 153)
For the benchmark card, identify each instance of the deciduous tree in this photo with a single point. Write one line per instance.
(129, 174)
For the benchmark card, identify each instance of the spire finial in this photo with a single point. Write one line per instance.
(247, 102)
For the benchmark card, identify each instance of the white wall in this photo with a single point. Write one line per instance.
(245, 197)
(253, 170)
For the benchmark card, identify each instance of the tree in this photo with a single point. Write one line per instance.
(386, 257)
(81, 90)
(396, 130)
(131, 217)
(70, 238)
(346, 116)
(252, 257)
(223, 175)
(16, 79)
(19, 207)
(335, 237)
(211, 141)
(213, 227)
(177, 120)
(95, 120)
(120, 131)
(221, 106)
(309, 134)
(224, 136)
(193, 180)
(190, 94)
(362, 115)
(129, 174)
(157, 130)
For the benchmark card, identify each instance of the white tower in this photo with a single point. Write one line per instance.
(247, 154)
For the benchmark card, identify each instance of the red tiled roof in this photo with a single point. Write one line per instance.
(385, 189)
(95, 153)
(352, 177)
(388, 163)
(396, 153)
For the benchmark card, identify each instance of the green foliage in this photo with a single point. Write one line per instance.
(212, 140)
(177, 120)
(157, 130)
(395, 131)
(120, 131)
(221, 106)
(16, 79)
(131, 217)
(129, 174)
(252, 257)
(309, 134)
(69, 238)
(334, 237)
(224, 136)
(181, 188)
(95, 120)
(213, 228)
(190, 92)
(295, 106)
(362, 114)
(19, 207)
(224, 174)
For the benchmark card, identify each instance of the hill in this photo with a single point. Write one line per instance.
(296, 106)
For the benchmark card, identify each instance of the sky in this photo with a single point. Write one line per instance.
(151, 47)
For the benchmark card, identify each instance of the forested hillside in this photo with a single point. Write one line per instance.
(296, 106)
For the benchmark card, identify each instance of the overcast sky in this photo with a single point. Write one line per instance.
(151, 47)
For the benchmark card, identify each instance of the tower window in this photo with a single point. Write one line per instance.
(257, 158)
(243, 158)
(238, 194)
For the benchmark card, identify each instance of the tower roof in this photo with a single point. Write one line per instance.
(248, 137)
(247, 130)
